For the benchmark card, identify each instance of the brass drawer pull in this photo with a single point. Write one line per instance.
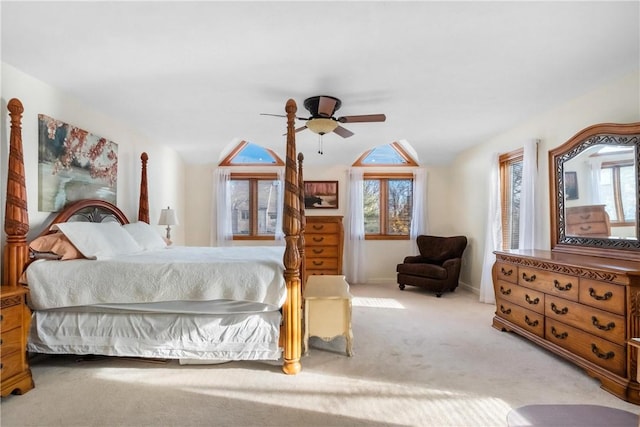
(531, 301)
(505, 292)
(505, 310)
(505, 272)
(597, 324)
(318, 239)
(318, 251)
(587, 216)
(318, 227)
(561, 336)
(585, 227)
(555, 309)
(529, 322)
(606, 356)
(605, 297)
(318, 263)
(528, 279)
(559, 287)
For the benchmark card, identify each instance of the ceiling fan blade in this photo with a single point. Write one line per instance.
(282, 115)
(297, 130)
(326, 106)
(363, 118)
(343, 132)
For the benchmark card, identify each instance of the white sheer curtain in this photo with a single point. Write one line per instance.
(280, 207)
(419, 219)
(493, 233)
(596, 190)
(528, 196)
(355, 255)
(224, 231)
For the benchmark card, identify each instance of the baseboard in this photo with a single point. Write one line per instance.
(469, 288)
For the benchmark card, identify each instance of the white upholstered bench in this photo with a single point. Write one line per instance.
(327, 310)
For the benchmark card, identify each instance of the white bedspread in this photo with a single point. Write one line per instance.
(245, 273)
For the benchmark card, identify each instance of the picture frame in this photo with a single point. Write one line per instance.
(321, 194)
(571, 185)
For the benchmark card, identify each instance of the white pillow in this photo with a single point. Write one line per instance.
(102, 240)
(145, 235)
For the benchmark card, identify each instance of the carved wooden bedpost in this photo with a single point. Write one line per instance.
(143, 205)
(16, 219)
(291, 226)
(303, 223)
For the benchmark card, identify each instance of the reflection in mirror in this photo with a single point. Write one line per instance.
(600, 193)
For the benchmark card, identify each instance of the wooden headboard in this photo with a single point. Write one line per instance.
(16, 226)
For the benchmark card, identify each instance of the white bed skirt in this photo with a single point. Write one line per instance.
(236, 336)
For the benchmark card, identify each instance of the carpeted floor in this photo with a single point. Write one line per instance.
(418, 361)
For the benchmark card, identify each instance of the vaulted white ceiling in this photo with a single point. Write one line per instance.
(197, 75)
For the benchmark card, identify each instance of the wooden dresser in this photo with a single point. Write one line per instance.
(582, 308)
(324, 239)
(589, 221)
(14, 324)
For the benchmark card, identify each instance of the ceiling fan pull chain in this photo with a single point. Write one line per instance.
(320, 149)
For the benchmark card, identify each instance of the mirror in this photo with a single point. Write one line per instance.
(595, 188)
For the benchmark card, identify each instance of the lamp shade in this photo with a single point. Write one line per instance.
(322, 125)
(168, 217)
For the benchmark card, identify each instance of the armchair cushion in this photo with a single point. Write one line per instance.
(427, 270)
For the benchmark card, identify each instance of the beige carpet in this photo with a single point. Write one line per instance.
(419, 361)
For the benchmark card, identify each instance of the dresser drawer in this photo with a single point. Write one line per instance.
(526, 297)
(312, 263)
(10, 317)
(314, 272)
(508, 272)
(603, 295)
(549, 282)
(10, 365)
(323, 228)
(588, 229)
(597, 350)
(527, 319)
(321, 252)
(585, 215)
(10, 341)
(321, 239)
(598, 322)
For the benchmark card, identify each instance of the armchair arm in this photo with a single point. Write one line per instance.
(416, 259)
(453, 266)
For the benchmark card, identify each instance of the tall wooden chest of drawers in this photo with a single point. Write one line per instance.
(588, 221)
(582, 308)
(324, 239)
(14, 325)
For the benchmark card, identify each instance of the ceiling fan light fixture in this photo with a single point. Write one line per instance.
(322, 125)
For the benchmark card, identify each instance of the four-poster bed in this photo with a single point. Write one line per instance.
(283, 304)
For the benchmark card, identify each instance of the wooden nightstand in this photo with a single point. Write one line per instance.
(15, 318)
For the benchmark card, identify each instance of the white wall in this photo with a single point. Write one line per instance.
(165, 168)
(615, 102)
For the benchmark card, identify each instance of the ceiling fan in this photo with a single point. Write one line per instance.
(322, 120)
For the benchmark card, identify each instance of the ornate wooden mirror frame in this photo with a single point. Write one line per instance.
(601, 134)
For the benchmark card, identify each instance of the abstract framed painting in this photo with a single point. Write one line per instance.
(73, 164)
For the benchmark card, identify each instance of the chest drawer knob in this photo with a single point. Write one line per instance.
(505, 310)
(562, 336)
(606, 327)
(559, 287)
(605, 297)
(505, 272)
(556, 310)
(529, 322)
(531, 301)
(606, 356)
(504, 291)
(528, 279)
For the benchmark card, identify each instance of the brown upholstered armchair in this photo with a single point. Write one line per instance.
(437, 268)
